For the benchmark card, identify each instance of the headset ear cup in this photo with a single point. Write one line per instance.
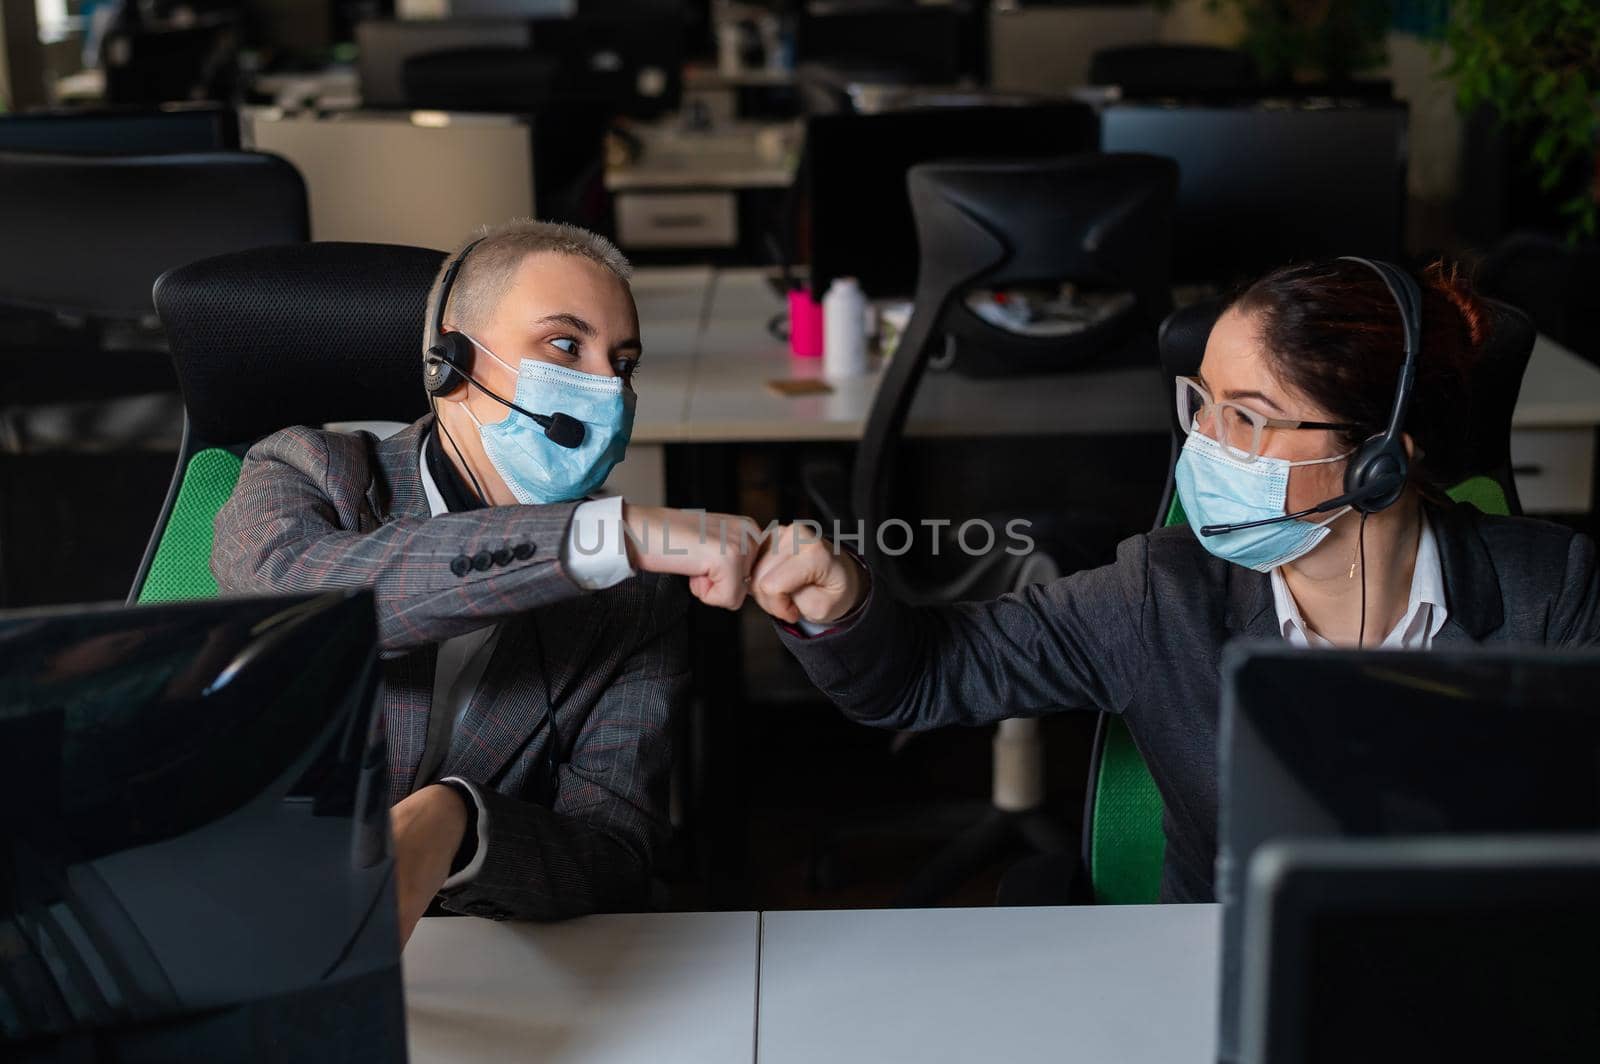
(1376, 475)
(445, 364)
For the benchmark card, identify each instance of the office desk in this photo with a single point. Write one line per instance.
(695, 190)
(731, 404)
(738, 156)
(1129, 984)
(653, 988)
(724, 372)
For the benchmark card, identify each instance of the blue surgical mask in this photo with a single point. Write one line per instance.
(1216, 488)
(534, 467)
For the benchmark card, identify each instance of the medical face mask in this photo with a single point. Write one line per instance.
(534, 467)
(1216, 488)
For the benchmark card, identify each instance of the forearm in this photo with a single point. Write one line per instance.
(1071, 644)
(543, 865)
(865, 665)
(433, 578)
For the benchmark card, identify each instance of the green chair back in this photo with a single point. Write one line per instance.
(181, 567)
(1126, 845)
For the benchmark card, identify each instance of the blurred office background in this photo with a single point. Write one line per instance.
(738, 151)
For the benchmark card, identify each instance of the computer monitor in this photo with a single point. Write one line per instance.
(194, 848)
(1260, 186)
(920, 43)
(195, 57)
(1393, 951)
(384, 45)
(122, 130)
(854, 176)
(622, 64)
(1332, 744)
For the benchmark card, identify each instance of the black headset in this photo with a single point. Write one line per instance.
(448, 361)
(1376, 474)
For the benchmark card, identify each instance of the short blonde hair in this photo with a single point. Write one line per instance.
(487, 274)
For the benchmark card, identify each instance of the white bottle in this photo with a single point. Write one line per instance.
(844, 330)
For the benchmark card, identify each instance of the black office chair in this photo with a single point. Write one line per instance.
(85, 238)
(1554, 282)
(1145, 70)
(1101, 219)
(300, 334)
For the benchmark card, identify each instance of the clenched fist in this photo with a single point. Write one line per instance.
(715, 551)
(801, 576)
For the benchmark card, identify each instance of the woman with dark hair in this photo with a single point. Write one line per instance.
(1299, 372)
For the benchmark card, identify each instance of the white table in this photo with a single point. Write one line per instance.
(653, 988)
(1122, 984)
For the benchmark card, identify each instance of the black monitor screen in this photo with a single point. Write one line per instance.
(194, 849)
(923, 44)
(861, 223)
(1452, 981)
(127, 131)
(1396, 950)
(1374, 744)
(1259, 187)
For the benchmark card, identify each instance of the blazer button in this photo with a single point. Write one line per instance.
(461, 565)
(482, 560)
(502, 556)
(522, 551)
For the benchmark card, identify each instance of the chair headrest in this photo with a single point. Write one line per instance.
(298, 335)
(90, 234)
(1096, 216)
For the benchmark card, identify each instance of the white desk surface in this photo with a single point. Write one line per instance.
(672, 303)
(654, 988)
(1097, 984)
(706, 382)
(1559, 390)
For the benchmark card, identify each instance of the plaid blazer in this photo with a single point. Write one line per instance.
(318, 510)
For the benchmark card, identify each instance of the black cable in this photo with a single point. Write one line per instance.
(433, 401)
(1361, 547)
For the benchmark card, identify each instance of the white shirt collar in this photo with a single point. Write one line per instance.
(429, 488)
(1425, 613)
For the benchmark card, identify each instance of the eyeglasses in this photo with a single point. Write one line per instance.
(1236, 427)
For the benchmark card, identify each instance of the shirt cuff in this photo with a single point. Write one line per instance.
(470, 871)
(595, 552)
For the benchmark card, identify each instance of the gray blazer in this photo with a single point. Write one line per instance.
(1143, 637)
(317, 510)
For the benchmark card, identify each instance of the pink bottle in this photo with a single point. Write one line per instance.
(805, 324)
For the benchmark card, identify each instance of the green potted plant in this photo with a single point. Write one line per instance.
(1299, 40)
(1536, 65)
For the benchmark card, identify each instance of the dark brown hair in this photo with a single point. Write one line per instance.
(1332, 330)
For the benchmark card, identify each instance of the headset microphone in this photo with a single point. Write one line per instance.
(446, 364)
(562, 429)
(1321, 508)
